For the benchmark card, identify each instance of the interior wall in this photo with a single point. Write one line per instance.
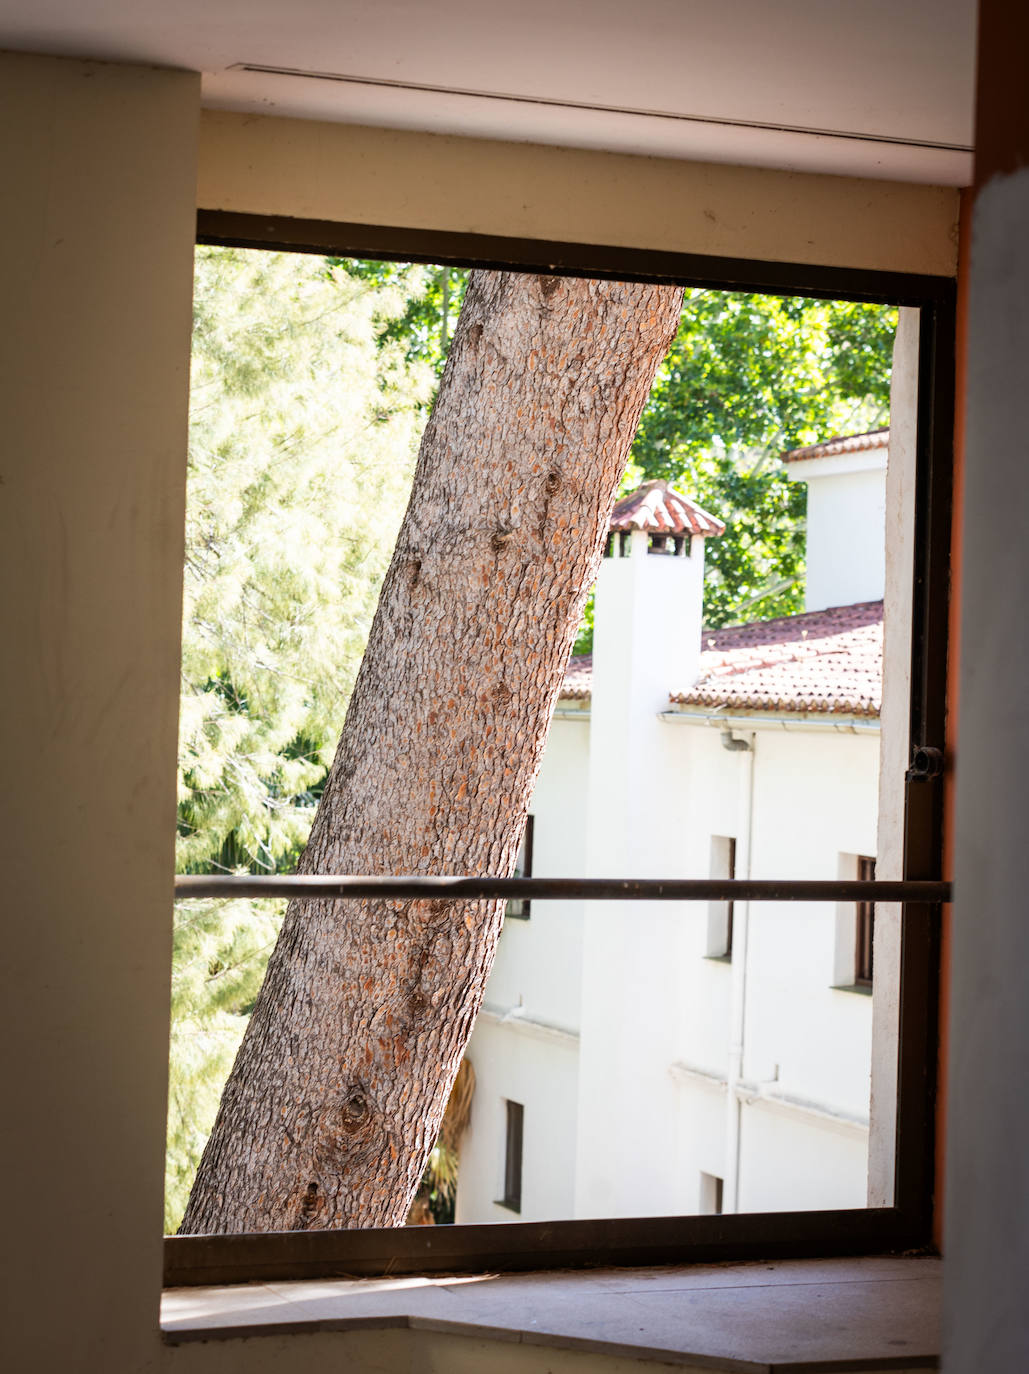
(986, 1236)
(98, 173)
(98, 166)
(307, 170)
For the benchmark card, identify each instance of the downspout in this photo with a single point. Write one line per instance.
(738, 991)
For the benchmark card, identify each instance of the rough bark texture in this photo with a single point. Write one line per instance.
(341, 1081)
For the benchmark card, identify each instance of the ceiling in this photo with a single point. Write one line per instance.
(880, 88)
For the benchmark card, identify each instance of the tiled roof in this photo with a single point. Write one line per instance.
(825, 661)
(578, 683)
(659, 509)
(850, 443)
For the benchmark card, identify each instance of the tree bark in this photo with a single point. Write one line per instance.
(337, 1093)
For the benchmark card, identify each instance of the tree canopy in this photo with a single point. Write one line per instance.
(747, 377)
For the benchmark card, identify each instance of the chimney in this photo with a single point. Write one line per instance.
(646, 644)
(846, 517)
(646, 640)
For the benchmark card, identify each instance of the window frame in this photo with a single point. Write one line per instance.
(512, 1246)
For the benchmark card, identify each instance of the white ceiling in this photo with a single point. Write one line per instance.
(867, 87)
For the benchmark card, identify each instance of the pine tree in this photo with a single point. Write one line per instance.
(304, 427)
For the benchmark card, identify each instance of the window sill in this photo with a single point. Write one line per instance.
(862, 989)
(718, 958)
(763, 1318)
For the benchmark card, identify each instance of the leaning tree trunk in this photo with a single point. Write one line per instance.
(337, 1093)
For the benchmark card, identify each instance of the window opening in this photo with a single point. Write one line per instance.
(513, 1136)
(864, 928)
(711, 1192)
(740, 1085)
(720, 914)
(518, 908)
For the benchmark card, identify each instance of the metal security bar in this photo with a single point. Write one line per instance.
(364, 887)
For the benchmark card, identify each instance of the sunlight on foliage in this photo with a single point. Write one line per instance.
(747, 377)
(304, 428)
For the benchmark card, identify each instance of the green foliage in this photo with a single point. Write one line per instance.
(747, 377)
(425, 328)
(304, 431)
(304, 425)
(220, 953)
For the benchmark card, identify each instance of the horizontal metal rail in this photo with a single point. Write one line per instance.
(551, 889)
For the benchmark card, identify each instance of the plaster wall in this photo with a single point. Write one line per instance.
(309, 170)
(538, 961)
(894, 751)
(814, 799)
(96, 251)
(521, 1063)
(99, 162)
(790, 1162)
(655, 1023)
(986, 1239)
(845, 545)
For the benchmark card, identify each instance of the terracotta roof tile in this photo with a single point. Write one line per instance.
(823, 661)
(849, 443)
(659, 509)
(578, 681)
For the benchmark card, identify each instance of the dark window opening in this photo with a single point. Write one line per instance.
(864, 928)
(518, 908)
(512, 1198)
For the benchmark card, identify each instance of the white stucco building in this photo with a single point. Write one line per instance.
(661, 1058)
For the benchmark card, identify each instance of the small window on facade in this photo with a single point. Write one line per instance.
(513, 1157)
(711, 1190)
(720, 914)
(864, 928)
(518, 907)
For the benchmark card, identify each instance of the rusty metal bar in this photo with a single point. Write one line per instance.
(550, 889)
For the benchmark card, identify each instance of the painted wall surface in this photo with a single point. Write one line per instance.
(98, 169)
(986, 1239)
(99, 161)
(895, 751)
(684, 1064)
(846, 521)
(538, 960)
(788, 1162)
(308, 170)
(525, 1063)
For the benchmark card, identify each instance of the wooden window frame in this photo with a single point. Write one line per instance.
(905, 1225)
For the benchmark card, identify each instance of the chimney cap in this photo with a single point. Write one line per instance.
(839, 444)
(658, 508)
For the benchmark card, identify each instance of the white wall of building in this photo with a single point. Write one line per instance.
(538, 960)
(526, 1063)
(791, 1162)
(654, 1107)
(846, 520)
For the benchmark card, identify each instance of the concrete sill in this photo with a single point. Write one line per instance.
(862, 989)
(877, 1313)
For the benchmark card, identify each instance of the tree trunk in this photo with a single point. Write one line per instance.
(337, 1093)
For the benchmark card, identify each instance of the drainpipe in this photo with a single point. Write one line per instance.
(738, 991)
